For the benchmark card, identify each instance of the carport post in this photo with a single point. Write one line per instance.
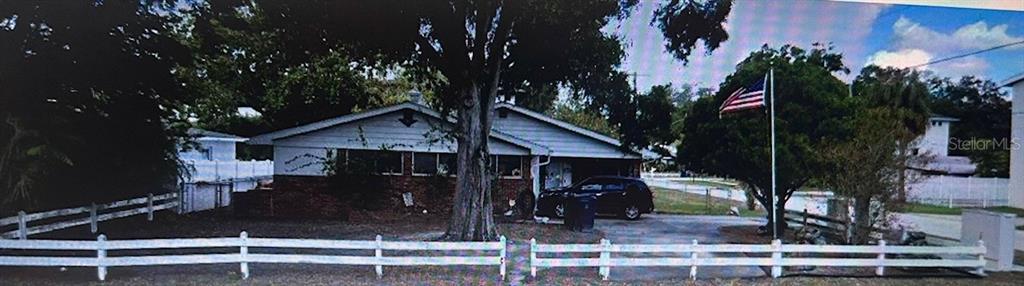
(605, 268)
(243, 253)
(776, 258)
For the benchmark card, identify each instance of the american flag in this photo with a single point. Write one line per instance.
(749, 97)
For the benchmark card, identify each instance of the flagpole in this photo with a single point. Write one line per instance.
(775, 198)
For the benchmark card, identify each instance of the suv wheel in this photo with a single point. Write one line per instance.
(560, 210)
(631, 212)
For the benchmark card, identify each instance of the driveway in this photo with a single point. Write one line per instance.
(665, 229)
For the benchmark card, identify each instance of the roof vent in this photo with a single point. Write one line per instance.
(415, 96)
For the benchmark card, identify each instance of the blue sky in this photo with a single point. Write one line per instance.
(888, 35)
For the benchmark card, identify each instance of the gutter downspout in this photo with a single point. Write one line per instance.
(535, 165)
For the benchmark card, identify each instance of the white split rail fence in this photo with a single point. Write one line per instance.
(146, 205)
(775, 255)
(246, 255)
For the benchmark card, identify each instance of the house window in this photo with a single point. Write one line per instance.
(510, 167)
(380, 162)
(424, 164)
(447, 164)
(429, 164)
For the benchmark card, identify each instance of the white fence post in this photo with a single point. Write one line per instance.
(880, 271)
(776, 258)
(503, 257)
(605, 268)
(379, 253)
(693, 262)
(981, 257)
(149, 207)
(22, 226)
(533, 257)
(243, 250)
(101, 255)
(92, 219)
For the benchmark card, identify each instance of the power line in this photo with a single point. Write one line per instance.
(966, 55)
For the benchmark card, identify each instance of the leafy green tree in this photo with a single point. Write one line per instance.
(89, 102)
(242, 60)
(574, 112)
(865, 166)
(811, 108)
(983, 132)
(905, 95)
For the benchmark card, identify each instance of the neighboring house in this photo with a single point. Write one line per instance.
(408, 144)
(935, 143)
(213, 172)
(1016, 192)
(209, 145)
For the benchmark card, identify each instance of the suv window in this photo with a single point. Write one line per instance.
(599, 184)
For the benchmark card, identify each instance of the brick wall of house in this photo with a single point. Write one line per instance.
(310, 196)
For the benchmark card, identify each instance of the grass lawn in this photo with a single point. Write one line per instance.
(677, 202)
(941, 210)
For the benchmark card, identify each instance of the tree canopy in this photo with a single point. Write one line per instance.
(88, 95)
(811, 107)
(983, 132)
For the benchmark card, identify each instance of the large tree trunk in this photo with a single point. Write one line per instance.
(472, 218)
(779, 208)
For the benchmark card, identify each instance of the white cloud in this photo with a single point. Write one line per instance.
(972, 65)
(912, 35)
(900, 59)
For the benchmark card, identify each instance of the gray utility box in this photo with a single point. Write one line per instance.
(995, 229)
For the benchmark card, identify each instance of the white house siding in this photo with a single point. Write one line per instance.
(301, 154)
(562, 142)
(1016, 154)
(299, 161)
(935, 140)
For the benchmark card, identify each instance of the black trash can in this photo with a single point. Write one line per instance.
(579, 212)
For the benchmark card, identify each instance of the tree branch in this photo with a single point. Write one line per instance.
(484, 21)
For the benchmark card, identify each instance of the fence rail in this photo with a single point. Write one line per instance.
(243, 243)
(145, 205)
(960, 191)
(696, 255)
(211, 170)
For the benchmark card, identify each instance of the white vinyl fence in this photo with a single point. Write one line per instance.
(211, 170)
(960, 191)
(775, 255)
(267, 251)
(91, 215)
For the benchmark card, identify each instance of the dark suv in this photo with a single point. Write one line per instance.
(624, 196)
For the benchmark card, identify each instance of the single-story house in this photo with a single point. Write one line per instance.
(408, 144)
